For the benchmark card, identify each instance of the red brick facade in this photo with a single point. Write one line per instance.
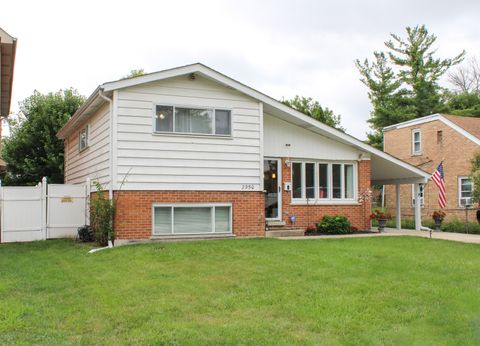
(134, 208)
(306, 216)
(133, 218)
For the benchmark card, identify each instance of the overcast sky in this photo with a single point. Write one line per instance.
(282, 48)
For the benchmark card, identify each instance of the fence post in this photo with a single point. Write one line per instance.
(87, 201)
(43, 186)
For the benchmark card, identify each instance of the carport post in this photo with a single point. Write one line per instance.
(418, 216)
(398, 218)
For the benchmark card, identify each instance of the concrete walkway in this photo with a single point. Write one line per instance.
(391, 232)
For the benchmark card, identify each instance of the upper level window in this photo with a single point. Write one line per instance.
(323, 181)
(83, 139)
(465, 188)
(439, 137)
(416, 142)
(192, 120)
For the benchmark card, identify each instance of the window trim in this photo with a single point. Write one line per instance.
(459, 193)
(422, 199)
(415, 131)
(191, 134)
(172, 207)
(330, 200)
(87, 130)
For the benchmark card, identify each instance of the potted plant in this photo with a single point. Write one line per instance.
(438, 216)
(381, 217)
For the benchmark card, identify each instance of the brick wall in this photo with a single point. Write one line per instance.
(456, 152)
(133, 219)
(309, 215)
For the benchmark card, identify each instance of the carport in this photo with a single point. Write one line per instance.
(388, 170)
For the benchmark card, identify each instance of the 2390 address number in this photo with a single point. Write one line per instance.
(248, 187)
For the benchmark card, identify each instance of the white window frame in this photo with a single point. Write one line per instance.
(172, 207)
(86, 129)
(330, 200)
(419, 151)
(460, 198)
(191, 134)
(422, 198)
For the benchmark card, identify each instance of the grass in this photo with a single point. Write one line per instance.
(389, 290)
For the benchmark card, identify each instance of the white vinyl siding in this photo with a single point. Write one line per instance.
(94, 162)
(184, 219)
(324, 182)
(187, 161)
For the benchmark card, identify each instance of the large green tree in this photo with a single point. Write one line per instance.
(403, 81)
(33, 150)
(313, 109)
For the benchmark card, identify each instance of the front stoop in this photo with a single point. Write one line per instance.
(285, 233)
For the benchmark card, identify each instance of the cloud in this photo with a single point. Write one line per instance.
(282, 48)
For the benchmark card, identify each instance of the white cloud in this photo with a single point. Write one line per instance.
(282, 48)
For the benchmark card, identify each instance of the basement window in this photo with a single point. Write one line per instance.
(187, 219)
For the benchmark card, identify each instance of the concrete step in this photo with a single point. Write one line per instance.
(282, 233)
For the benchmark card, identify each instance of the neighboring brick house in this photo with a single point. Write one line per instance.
(425, 142)
(191, 152)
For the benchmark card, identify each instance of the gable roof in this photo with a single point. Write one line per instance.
(270, 105)
(468, 127)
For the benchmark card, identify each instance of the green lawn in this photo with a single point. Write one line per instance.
(382, 290)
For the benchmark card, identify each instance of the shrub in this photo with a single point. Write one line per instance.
(102, 213)
(85, 234)
(336, 224)
(455, 225)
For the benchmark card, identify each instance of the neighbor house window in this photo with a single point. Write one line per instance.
(422, 196)
(83, 138)
(178, 119)
(323, 181)
(465, 188)
(416, 142)
(191, 219)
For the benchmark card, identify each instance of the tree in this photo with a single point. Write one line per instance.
(462, 103)
(403, 82)
(388, 99)
(466, 78)
(476, 177)
(419, 69)
(33, 150)
(313, 109)
(134, 73)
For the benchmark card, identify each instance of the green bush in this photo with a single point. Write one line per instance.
(102, 212)
(336, 224)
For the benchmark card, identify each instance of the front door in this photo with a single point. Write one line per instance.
(273, 187)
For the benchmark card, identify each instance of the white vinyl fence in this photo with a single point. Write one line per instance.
(43, 212)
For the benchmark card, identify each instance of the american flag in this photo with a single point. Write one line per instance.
(439, 179)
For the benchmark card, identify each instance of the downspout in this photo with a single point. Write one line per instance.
(110, 160)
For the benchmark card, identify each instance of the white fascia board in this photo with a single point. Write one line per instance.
(223, 79)
(460, 130)
(413, 122)
(430, 118)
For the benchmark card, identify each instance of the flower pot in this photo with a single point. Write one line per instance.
(438, 224)
(381, 224)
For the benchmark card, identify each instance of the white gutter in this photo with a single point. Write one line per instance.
(110, 159)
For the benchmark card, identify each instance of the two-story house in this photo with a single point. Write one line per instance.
(191, 152)
(424, 143)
